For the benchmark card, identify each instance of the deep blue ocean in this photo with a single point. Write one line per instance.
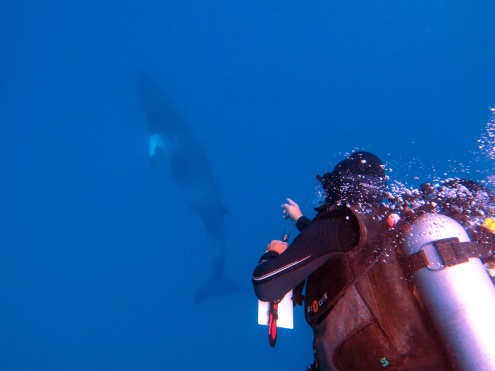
(100, 257)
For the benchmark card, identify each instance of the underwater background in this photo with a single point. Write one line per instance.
(100, 258)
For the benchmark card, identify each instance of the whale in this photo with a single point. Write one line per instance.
(170, 137)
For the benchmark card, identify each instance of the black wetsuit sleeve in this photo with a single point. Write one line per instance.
(302, 223)
(320, 241)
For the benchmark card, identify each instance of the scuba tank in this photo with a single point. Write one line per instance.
(455, 288)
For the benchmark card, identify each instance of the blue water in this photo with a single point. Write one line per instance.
(99, 256)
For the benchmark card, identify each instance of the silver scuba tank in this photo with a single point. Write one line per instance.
(460, 299)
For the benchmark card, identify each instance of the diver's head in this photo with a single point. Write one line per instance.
(361, 176)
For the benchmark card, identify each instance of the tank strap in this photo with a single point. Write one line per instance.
(451, 252)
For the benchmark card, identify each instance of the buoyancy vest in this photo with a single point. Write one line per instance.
(362, 308)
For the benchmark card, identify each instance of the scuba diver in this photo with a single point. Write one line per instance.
(358, 301)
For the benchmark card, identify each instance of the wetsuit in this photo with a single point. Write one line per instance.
(360, 306)
(319, 241)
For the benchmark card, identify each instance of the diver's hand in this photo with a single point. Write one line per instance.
(278, 246)
(291, 210)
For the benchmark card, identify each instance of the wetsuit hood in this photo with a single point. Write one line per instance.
(360, 176)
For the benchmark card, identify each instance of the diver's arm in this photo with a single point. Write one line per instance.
(302, 223)
(323, 239)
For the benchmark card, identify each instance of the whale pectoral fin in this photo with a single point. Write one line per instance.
(156, 144)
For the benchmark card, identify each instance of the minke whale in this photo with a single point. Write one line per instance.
(171, 138)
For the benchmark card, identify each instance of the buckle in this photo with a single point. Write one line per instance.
(432, 259)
